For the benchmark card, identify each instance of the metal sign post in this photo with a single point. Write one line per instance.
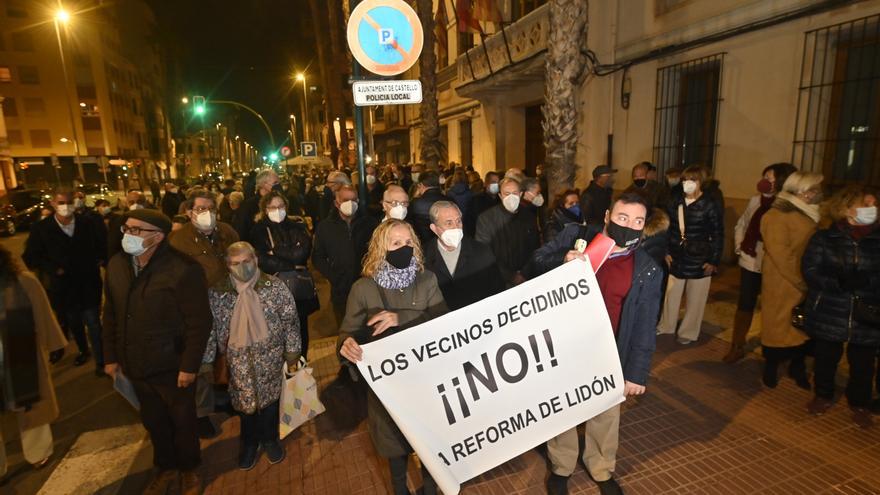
(386, 38)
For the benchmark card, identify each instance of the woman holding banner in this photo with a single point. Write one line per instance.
(395, 293)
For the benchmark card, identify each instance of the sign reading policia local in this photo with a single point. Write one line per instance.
(385, 36)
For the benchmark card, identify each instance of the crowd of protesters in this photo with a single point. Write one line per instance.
(208, 288)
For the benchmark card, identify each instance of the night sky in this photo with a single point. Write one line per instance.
(242, 50)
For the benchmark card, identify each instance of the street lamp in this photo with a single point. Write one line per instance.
(61, 16)
(184, 100)
(301, 77)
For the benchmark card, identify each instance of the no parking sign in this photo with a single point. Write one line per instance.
(385, 36)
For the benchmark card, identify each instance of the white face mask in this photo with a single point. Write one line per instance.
(538, 200)
(397, 212)
(278, 215)
(173, 190)
(78, 203)
(348, 208)
(442, 180)
(415, 176)
(511, 203)
(206, 220)
(371, 179)
(104, 210)
(64, 210)
(133, 245)
(136, 206)
(452, 237)
(493, 188)
(866, 215)
(689, 186)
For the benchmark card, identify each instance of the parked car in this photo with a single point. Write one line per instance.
(24, 205)
(94, 192)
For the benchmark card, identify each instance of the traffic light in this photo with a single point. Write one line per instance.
(273, 157)
(199, 105)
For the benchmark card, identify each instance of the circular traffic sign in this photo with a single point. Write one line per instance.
(285, 151)
(385, 36)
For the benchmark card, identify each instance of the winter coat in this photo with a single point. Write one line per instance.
(49, 338)
(418, 303)
(656, 236)
(289, 243)
(786, 232)
(208, 250)
(513, 237)
(339, 250)
(419, 212)
(595, 201)
(559, 218)
(636, 332)
(704, 229)
(255, 373)
(833, 256)
(244, 219)
(171, 203)
(462, 196)
(159, 321)
(476, 274)
(750, 263)
(48, 251)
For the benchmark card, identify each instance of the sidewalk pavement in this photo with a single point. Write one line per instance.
(703, 427)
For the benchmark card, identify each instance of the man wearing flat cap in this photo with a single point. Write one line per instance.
(156, 325)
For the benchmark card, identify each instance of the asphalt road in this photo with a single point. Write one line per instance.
(87, 403)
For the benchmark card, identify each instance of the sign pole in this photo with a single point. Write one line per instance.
(359, 134)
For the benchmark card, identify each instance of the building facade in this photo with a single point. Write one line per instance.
(114, 89)
(735, 85)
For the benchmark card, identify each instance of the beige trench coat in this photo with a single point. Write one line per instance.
(786, 232)
(49, 338)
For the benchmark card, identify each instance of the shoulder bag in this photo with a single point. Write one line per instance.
(699, 250)
(298, 280)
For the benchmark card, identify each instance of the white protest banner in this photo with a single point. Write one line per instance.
(474, 388)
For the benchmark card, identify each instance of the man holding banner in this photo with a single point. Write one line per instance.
(630, 282)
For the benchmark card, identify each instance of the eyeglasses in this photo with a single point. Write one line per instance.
(396, 203)
(125, 229)
(202, 209)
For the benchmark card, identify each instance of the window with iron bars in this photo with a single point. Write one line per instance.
(686, 113)
(838, 120)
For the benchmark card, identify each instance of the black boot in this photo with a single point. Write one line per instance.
(247, 456)
(771, 366)
(797, 371)
(398, 475)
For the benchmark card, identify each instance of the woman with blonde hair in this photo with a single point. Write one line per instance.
(842, 269)
(786, 229)
(395, 293)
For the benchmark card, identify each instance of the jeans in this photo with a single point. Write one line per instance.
(75, 317)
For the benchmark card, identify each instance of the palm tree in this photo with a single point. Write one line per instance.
(565, 73)
(430, 147)
(338, 72)
(328, 71)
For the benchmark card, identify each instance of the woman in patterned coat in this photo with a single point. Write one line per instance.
(256, 326)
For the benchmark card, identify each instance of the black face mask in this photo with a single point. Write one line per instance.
(278, 188)
(400, 258)
(640, 182)
(624, 237)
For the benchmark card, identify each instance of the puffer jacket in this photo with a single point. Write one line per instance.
(255, 376)
(656, 236)
(833, 254)
(704, 226)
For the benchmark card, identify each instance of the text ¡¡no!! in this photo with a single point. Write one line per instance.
(369, 93)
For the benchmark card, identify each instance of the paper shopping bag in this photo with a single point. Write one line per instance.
(299, 398)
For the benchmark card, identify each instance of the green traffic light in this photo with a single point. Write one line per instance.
(273, 156)
(200, 110)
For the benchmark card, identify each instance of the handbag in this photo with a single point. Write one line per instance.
(866, 313)
(700, 250)
(299, 398)
(799, 316)
(298, 280)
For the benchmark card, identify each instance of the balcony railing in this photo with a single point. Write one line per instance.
(525, 38)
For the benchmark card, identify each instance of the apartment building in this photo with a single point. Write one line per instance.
(114, 90)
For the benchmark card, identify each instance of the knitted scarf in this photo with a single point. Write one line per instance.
(389, 277)
(753, 231)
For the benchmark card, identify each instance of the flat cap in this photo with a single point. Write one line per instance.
(152, 217)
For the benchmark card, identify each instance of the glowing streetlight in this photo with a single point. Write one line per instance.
(301, 77)
(62, 16)
(82, 104)
(64, 140)
(184, 100)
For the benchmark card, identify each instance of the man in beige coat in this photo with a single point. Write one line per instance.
(36, 434)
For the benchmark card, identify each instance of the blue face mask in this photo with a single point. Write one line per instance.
(575, 210)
